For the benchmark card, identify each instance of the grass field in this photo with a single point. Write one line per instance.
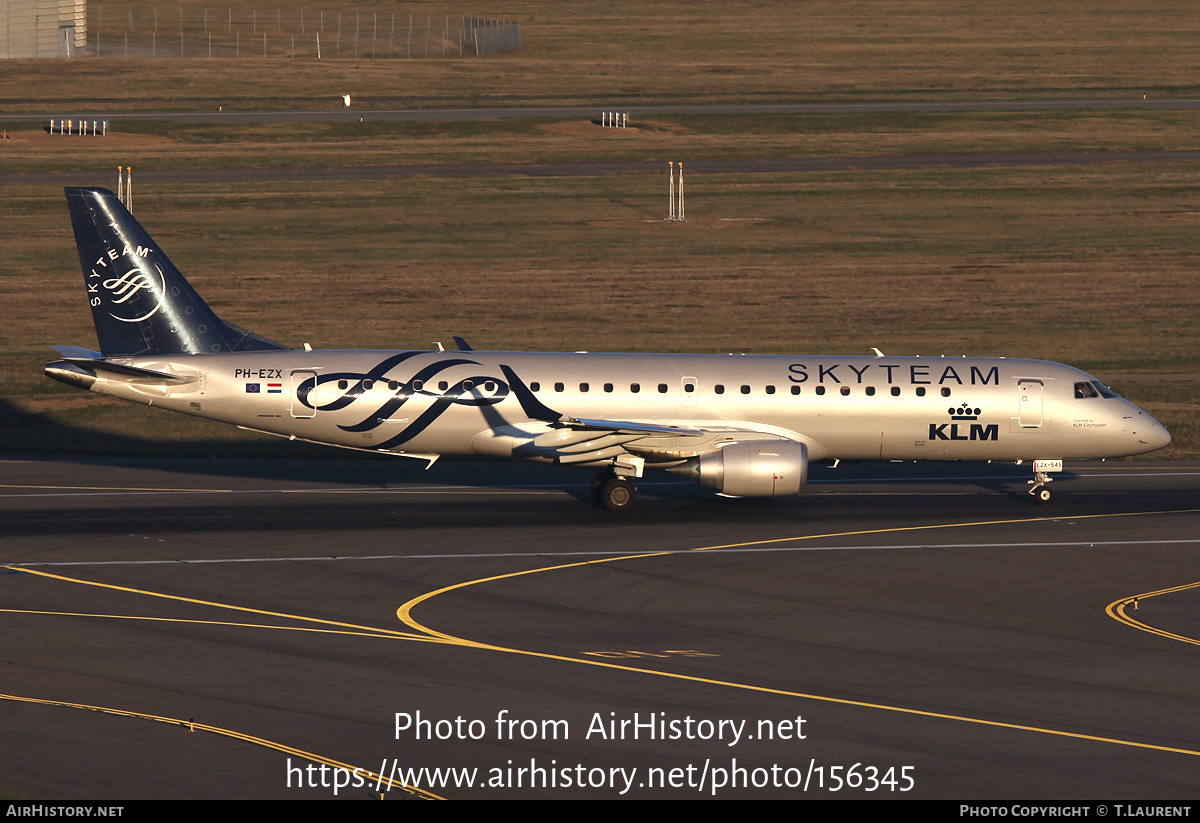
(580, 51)
(1089, 265)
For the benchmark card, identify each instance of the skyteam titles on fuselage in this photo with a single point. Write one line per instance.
(817, 373)
(918, 374)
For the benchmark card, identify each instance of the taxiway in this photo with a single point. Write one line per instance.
(937, 632)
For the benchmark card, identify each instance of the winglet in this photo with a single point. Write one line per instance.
(532, 406)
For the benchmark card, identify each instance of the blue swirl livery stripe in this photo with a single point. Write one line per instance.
(453, 397)
(305, 389)
(403, 394)
(460, 394)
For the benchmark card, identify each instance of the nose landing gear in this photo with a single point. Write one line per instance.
(1041, 494)
(1041, 478)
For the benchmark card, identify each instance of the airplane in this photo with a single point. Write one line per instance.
(745, 425)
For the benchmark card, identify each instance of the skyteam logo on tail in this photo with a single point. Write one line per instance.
(126, 287)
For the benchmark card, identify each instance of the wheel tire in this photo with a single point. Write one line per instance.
(1043, 495)
(618, 494)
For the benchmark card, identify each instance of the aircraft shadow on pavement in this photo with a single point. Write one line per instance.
(467, 492)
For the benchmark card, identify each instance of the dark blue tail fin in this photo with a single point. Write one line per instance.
(140, 302)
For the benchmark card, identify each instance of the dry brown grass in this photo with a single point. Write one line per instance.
(1089, 266)
(1093, 266)
(579, 51)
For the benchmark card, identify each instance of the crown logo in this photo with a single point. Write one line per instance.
(963, 412)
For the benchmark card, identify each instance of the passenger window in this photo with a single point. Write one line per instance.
(608, 387)
(443, 385)
(534, 386)
(845, 391)
(820, 390)
(393, 385)
(468, 385)
(770, 389)
(490, 386)
(418, 385)
(719, 389)
(870, 391)
(583, 386)
(367, 384)
(634, 388)
(662, 388)
(342, 384)
(945, 391)
(745, 389)
(795, 389)
(559, 387)
(895, 391)
(920, 391)
(688, 388)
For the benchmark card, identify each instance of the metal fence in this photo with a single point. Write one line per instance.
(191, 31)
(492, 36)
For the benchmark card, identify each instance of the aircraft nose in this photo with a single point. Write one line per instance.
(1149, 432)
(1158, 436)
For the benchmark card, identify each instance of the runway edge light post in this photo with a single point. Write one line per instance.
(675, 212)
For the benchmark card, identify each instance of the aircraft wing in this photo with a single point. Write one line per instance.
(629, 427)
(569, 439)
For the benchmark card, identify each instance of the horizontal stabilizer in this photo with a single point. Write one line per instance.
(77, 352)
(95, 367)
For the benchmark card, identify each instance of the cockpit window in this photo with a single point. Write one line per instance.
(1085, 390)
(1104, 390)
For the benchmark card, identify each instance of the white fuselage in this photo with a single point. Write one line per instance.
(464, 403)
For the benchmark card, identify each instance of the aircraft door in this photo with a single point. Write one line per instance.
(299, 409)
(1029, 405)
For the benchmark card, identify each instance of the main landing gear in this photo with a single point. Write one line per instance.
(613, 492)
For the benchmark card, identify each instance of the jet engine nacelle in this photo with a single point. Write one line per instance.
(756, 469)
